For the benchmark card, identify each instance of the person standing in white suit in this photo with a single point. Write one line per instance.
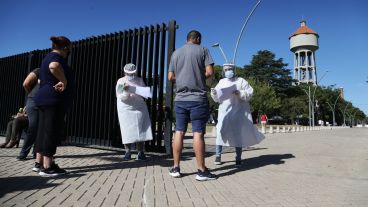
(134, 119)
(235, 124)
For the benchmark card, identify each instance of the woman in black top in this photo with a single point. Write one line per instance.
(53, 100)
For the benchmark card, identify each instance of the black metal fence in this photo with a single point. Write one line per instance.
(97, 63)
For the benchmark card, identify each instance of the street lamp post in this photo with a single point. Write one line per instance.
(314, 92)
(242, 29)
(344, 113)
(333, 109)
(222, 52)
(351, 116)
(309, 105)
(239, 37)
(354, 117)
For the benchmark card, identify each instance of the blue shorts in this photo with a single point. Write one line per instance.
(196, 112)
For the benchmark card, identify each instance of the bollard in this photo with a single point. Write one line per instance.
(271, 129)
(278, 129)
(283, 129)
(298, 128)
(294, 129)
(214, 132)
(263, 130)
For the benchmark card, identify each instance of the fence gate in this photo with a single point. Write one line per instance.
(97, 63)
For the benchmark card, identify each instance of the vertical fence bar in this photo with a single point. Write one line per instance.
(129, 48)
(82, 92)
(169, 90)
(145, 52)
(88, 90)
(140, 55)
(95, 80)
(114, 78)
(150, 66)
(134, 46)
(161, 78)
(76, 111)
(155, 84)
(108, 91)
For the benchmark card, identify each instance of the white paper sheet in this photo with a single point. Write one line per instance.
(142, 91)
(225, 93)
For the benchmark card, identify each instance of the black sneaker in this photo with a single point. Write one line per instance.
(127, 156)
(175, 172)
(21, 158)
(141, 156)
(218, 160)
(37, 167)
(205, 175)
(238, 163)
(52, 171)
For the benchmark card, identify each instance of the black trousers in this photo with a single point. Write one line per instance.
(51, 126)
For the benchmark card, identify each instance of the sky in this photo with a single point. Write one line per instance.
(342, 26)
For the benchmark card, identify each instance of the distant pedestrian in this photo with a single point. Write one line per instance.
(31, 85)
(53, 99)
(189, 67)
(134, 119)
(235, 124)
(264, 119)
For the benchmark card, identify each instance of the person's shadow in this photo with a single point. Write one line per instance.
(253, 163)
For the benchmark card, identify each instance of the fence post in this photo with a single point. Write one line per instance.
(169, 90)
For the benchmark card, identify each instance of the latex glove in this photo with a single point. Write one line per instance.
(213, 92)
(123, 86)
(236, 92)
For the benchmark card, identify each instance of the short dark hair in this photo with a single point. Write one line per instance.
(194, 34)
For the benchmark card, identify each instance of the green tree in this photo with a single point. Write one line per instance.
(265, 68)
(294, 107)
(264, 98)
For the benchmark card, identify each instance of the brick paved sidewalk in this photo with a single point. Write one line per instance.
(314, 168)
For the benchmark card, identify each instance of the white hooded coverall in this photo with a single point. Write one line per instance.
(235, 124)
(134, 119)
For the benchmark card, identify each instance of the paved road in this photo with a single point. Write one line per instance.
(312, 168)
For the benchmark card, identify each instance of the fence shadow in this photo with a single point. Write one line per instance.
(118, 163)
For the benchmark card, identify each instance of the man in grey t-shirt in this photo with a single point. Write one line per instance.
(189, 67)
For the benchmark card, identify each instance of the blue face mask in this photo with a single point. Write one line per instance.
(130, 76)
(229, 74)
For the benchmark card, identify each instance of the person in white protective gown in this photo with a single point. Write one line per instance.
(134, 119)
(235, 124)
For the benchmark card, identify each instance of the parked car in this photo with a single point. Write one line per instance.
(301, 120)
(278, 120)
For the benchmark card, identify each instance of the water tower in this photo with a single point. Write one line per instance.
(304, 43)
